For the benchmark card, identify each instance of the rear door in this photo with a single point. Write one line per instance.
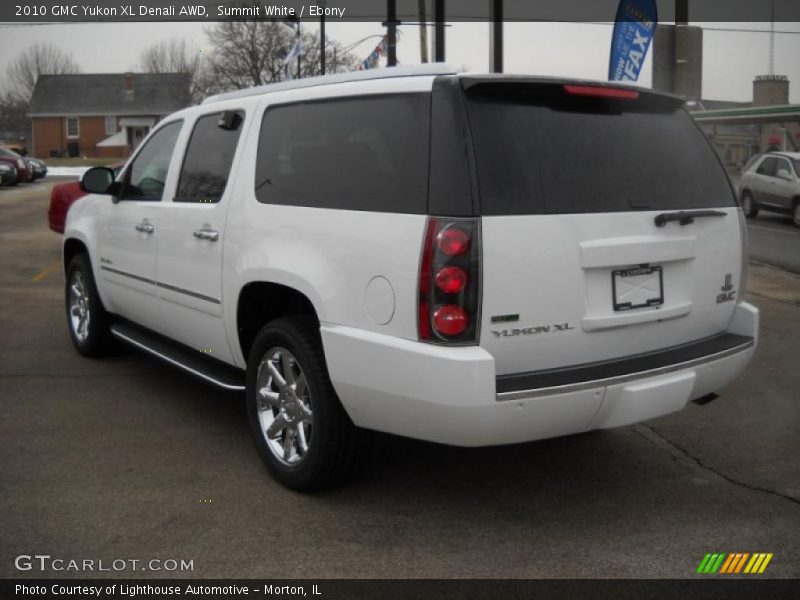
(783, 184)
(578, 265)
(763, 181)
(192, 227)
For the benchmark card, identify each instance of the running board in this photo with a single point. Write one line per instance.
(206, 368)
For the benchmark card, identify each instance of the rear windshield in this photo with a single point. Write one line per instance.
(546, 153)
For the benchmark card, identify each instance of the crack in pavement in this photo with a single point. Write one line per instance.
(683, 457)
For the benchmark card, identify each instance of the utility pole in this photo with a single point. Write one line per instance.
(391, 29)
(496, 36)
(423, 33)
(322, 4)
(298, 54)
(438, 39)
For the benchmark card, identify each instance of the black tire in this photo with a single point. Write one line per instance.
(95, 340)
(334, 442)
(796, 213)
(749, 206)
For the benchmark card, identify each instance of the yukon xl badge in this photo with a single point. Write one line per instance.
(728, 293)
(532, 330)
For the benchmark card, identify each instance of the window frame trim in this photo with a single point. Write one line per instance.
(77, 135)
(116, 124)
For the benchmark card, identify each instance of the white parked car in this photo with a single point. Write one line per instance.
(471, 260)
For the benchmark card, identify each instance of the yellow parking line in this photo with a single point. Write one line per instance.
(53, 266)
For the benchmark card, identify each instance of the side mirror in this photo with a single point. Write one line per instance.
(784, 174)
(97, 180)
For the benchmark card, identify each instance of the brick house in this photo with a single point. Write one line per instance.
(101, 115)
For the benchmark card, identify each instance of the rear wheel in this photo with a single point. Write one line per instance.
(87, 320)
(300, 429)
(749, 207)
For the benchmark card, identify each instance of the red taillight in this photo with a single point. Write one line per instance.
(451, 280)
(453, 241)
(450, 320)
(596, 91)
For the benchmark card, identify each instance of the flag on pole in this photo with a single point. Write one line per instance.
(297, 50)
(634, 28)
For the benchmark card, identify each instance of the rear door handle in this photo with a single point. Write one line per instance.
(145, 227)
(206, 234)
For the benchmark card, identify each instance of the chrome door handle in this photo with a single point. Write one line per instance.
(145, 227)
(206, 234)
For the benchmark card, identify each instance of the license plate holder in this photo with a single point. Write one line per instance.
(637, 287)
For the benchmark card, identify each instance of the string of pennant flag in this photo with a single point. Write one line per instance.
(372, 60)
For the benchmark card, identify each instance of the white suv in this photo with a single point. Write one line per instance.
(471, 260)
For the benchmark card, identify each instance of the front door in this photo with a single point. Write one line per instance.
(129, 228)
(192, 224)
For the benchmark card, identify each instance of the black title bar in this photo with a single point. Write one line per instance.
(66, 11)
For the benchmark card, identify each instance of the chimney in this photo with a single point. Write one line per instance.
(129, 82)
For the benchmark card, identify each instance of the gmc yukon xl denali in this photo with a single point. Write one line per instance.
(471, 260)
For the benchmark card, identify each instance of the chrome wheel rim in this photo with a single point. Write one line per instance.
(79, 309)
(284, 406)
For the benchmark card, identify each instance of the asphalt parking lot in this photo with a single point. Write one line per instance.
(127, 458)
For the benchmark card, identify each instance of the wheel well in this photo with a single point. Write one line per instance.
(795, 201)
(72, 248)
(262, 302)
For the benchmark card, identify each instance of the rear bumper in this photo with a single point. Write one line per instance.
(452, 396)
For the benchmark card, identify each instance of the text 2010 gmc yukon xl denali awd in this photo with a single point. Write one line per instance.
(471, 260)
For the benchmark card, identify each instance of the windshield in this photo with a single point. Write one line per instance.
(9, 153)
(547, 153)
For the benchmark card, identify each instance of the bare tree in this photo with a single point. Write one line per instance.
(176, 56)
(40, 59)
(248, 53)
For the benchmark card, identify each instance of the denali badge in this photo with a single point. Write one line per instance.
(533, 330)
(728, 293)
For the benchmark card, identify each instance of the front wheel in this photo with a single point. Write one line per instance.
(300, 429)
(749, 207)
(87, 320)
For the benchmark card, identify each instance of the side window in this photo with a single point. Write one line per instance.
(767, 167)
(366, 153)
(147, 174)
(209, 156)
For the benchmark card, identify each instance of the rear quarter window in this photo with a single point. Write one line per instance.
(368, 153)
(543, 154)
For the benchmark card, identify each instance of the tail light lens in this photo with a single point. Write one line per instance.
(596, 91)
(449, 282)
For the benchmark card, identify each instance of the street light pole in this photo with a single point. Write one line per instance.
(391, 30)
(322, 4)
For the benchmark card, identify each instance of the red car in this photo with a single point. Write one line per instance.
(24, 172)
(63, 195)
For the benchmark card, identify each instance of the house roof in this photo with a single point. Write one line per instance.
(106, 94)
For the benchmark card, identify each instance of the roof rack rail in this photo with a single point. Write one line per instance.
(386, 73)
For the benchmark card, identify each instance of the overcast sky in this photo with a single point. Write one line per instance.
(731, 58)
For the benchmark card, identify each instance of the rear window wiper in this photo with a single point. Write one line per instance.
(685, 218)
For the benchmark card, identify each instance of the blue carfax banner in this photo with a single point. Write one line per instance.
(633, 31)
